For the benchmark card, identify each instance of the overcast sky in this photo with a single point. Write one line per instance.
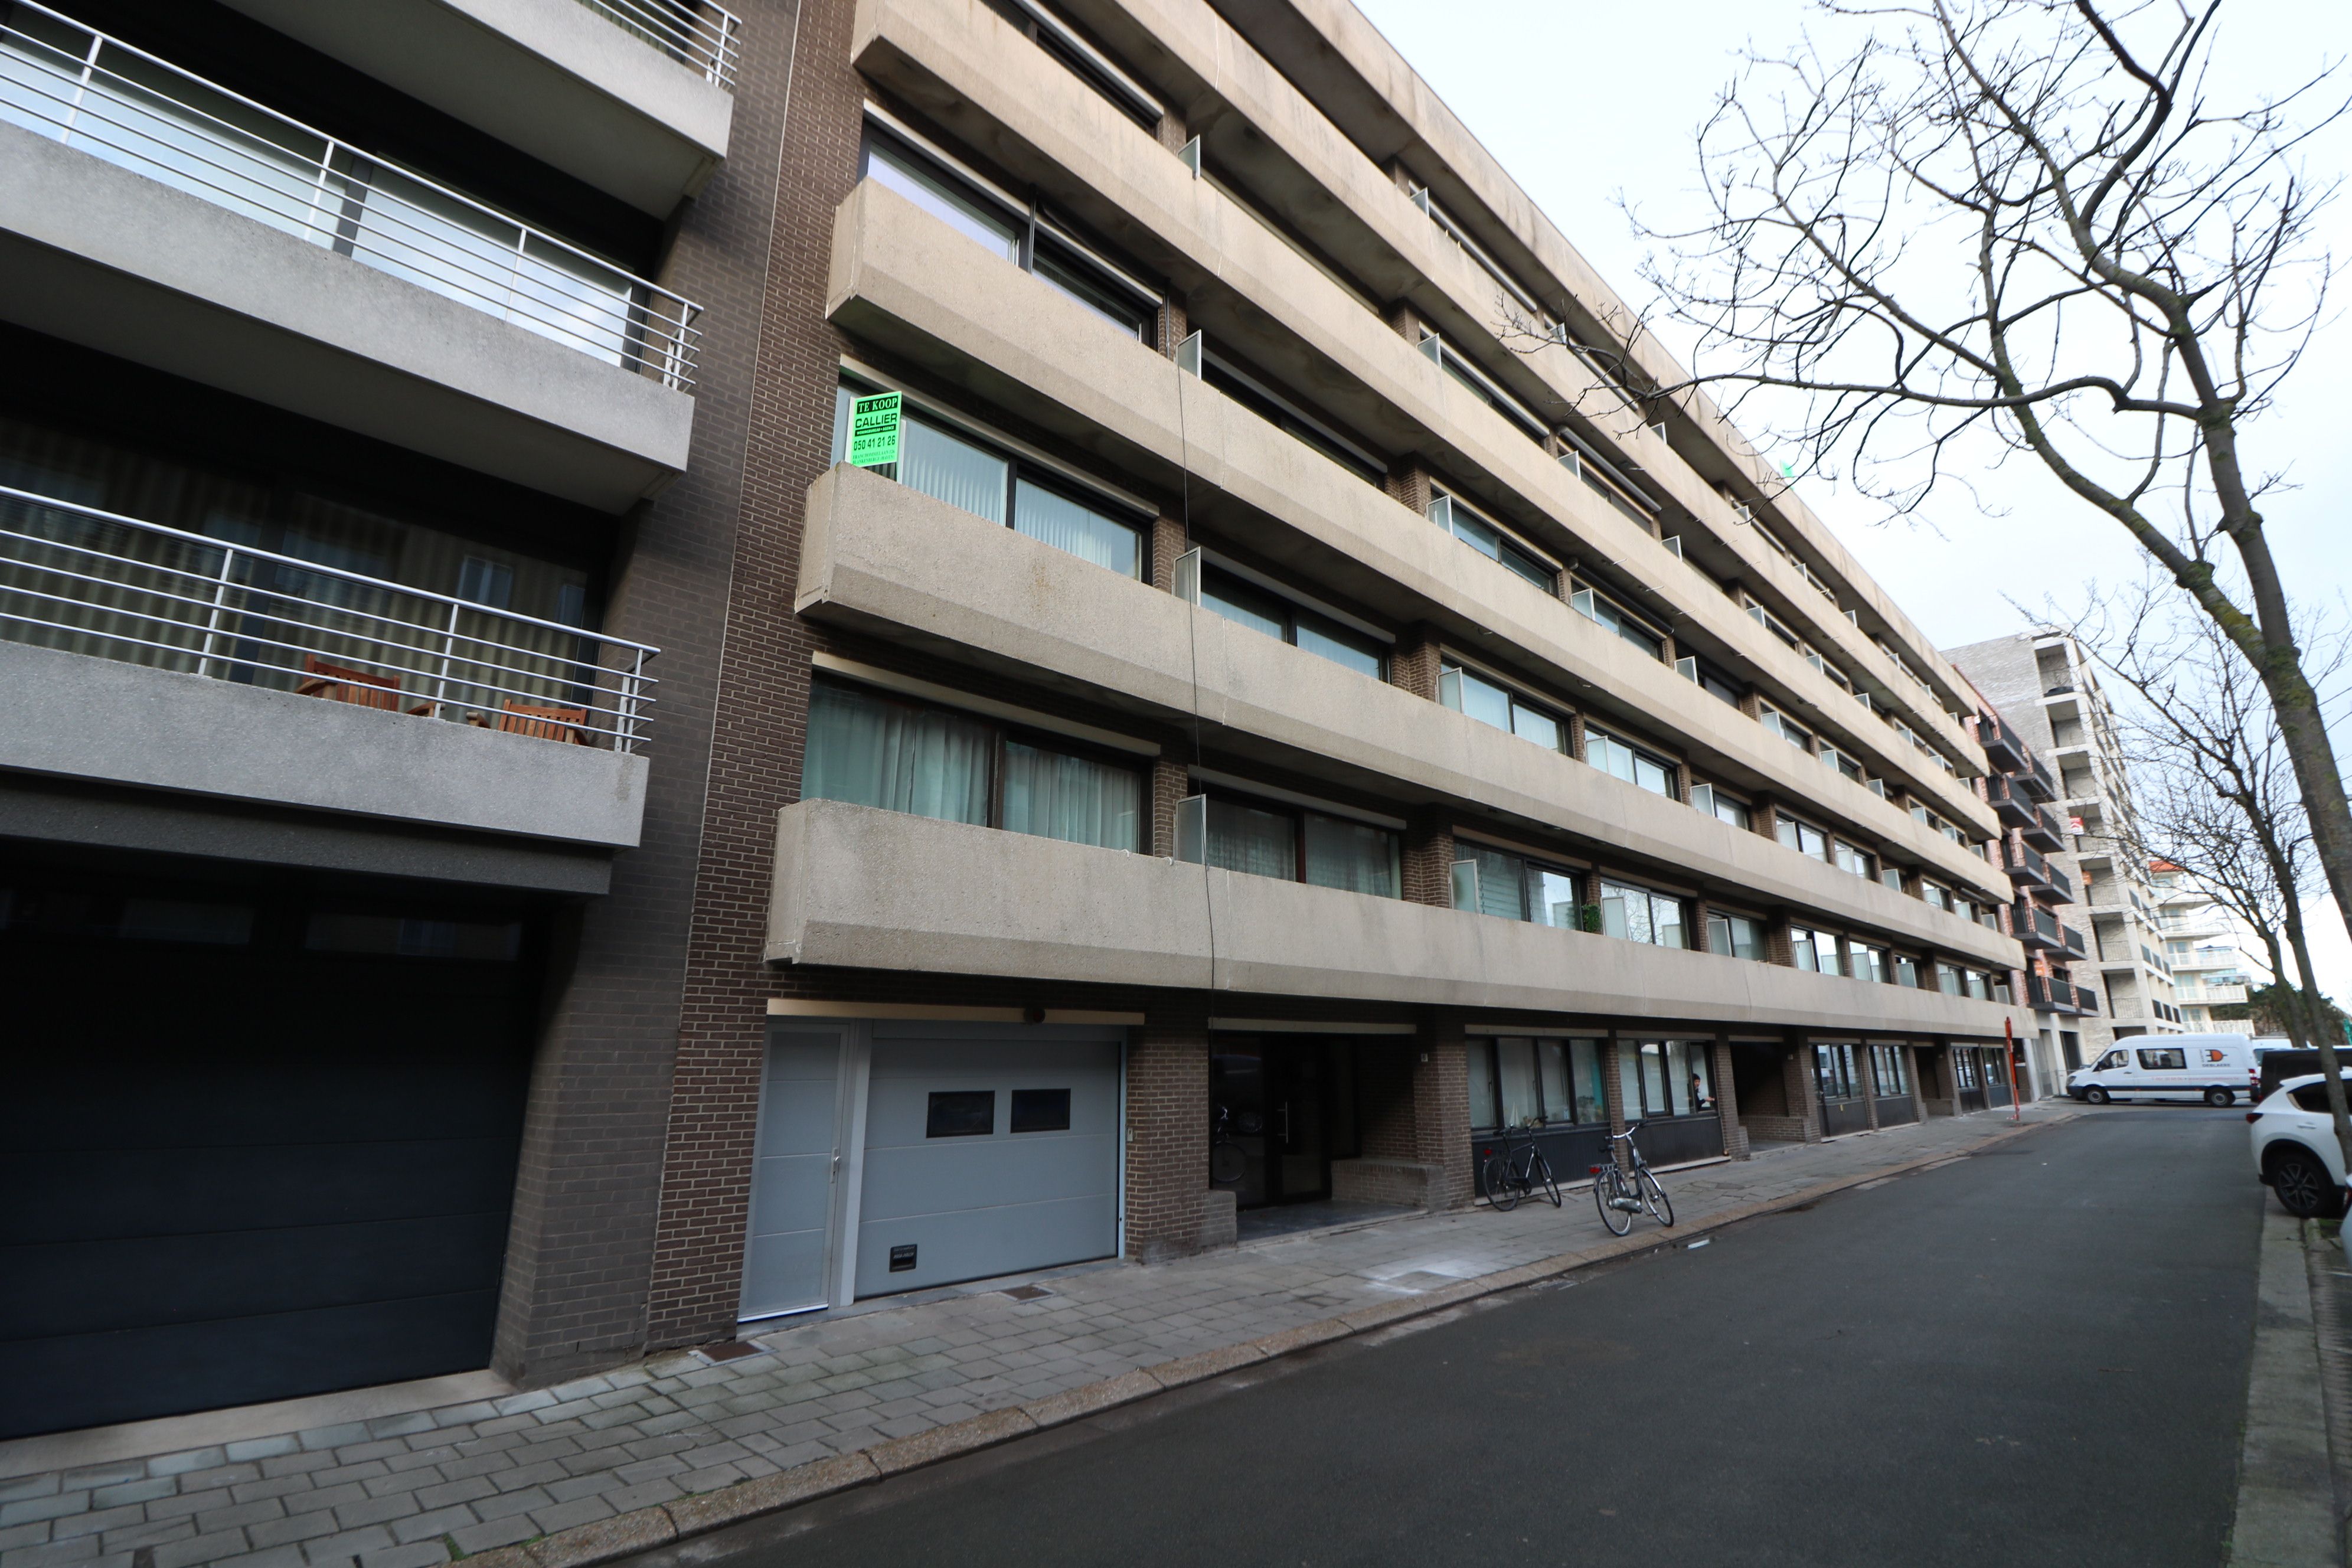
(1585, 102)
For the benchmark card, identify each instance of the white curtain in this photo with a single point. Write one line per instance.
(1351, 856)
(1070, 799)
(951, 469)
(1064, 524)
(1243, 839)
(873, 751)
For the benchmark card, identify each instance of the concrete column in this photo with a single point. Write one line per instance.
(1440, 1111)
(1804, 1095)
(1911, 1063)
(1869, 1082)
(1727, 1099)
(1172, 1211)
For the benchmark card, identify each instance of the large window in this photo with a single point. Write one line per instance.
(1622, 759)
(1836, 1073)
(1454, 515)
(1279, 409)
(1637, 914)
(1516, 1080)
(1599, 607)
(1870, 963)
(1947, 979)
(1906, 970)
(1296, 844)
(1801, 837)
(1664, 1078)
(1853, 858)
(1711, 799)
(1796, 735)
(1817, 950)
(1735, 936)
(873, 750)
(1891, 1068)
(1262, 610)
(1492, 882)
(1491, 703)
(965, 470)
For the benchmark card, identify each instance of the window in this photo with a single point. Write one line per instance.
(1936, 822)
(951, 465)
(1906, 972)
(1869, 963)
(1296, 844)
(1891, 1070)
(398, 936)
(1025, 235)
(1637, 914)
(1964, 1068)
(960, 1113)
(1802, 837)
(2165, 1059)
(1937, 896)
(1492, 882)
(1836, 1072)
(1890, 876)
(886, 751)
(1515, 1079)
(1770, 622)
(1623, 759)
(1816, 950)
(1979, 984)
(1041, 1110)
(1276, 408)
(1479, 386)
(1608, 613)
(1491, 703)
(1849, 766)
(1454, 515)
(1852, 858)
(1947, 979)
(1721, 807)
(1796, 735)
(1262, 610)
(1735, 936)
(1666, 1078)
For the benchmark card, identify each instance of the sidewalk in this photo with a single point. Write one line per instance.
(680, 1444)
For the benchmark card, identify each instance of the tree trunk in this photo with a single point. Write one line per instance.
(2302, 998)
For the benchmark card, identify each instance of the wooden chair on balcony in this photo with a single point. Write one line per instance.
(338, 684)
(546, 723)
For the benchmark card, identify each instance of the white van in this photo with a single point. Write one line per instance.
(2215, 1069)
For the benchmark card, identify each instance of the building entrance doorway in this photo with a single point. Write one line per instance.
(1281, 1109)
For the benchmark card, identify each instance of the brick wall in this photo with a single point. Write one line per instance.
(1441, 1110)
(1168, 1133)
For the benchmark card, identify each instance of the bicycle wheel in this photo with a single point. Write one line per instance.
(1541, 1179)
(1655, 1196)
(1500, 1190)
(1606, 1187)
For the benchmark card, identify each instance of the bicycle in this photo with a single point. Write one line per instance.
(1515, 1173)
(1620, 1195)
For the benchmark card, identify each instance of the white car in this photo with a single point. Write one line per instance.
(2295, 1151)
(2215, 1069)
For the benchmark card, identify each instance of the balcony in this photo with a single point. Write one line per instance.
(2073, 941)
(2007, 800)
(862, 889)
(150, 215)
(2027, 867)
(634, 97)
(171, 661)
(2036, 928)
(2046, 994)
(2044, 832)
(2004, 748)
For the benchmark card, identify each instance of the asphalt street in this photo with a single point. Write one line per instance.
(2037, 1355)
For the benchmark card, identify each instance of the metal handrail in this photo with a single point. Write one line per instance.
(305, 183)
(684, 32)
(222, 623)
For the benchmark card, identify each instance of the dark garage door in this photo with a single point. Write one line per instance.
(255, 1145)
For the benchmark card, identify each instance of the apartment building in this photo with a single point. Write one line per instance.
(2045, 685)
(2019, 788)
(2216, 960)
(688, 714)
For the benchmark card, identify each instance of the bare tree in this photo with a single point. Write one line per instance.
(2003, 227)
(2219, 795)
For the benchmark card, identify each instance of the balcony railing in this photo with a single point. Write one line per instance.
(2061, 887)
(2072, 938)
(698, 34)
(2035, 927)
(2002, 746)
(2007, 800)
(2043, 832)
(2037, 780)
(2023, 865)
(86, 90)
(86, 581)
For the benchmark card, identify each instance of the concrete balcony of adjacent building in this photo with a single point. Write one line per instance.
(910, 284)
(150, 214)
(174, 692)
(888, 560)
(857, 888)
(634, 97)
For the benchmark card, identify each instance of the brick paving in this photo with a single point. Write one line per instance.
(416, 1489)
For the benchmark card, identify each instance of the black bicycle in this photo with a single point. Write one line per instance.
(1515, 1173)
(1619, 1194)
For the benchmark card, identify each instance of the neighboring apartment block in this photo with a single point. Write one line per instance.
(2048, 689)
(497, 809)
(2216, 960)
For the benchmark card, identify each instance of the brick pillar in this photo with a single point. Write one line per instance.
(1576, 736)
(1918, 1100)
(1440, 1111)
(1170, 781)
(1171, 131)
(1167, 542)
(1172, 1211)
(1413, 662)
(1407, 484)
(1727, 1099)
(1802, 1089)
(1699, 911)
(1429, 859)
(1612, 1092)
(1869, 1082)
(1780, 947)
(1172, 328)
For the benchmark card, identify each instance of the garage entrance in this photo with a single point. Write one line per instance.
(259, 1140)
(896, 1156)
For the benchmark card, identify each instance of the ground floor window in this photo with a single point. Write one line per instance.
(1666, 1078)
(1964, 1068)
(1516, 1079)
(1891, 1066)
(1837, 1072)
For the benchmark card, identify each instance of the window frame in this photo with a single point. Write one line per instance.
(1279, 409)
(1462, 671)
(1295, 613)
(1589, 599)
(1298, 812)
(1524, 864)
(1730, 949)
(1489, 1046)
(1536, 570)
(1672, 770)
(1603, 881)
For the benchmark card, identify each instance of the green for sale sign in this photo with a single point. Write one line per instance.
(874, 428)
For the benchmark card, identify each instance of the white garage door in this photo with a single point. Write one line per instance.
(988, 1151)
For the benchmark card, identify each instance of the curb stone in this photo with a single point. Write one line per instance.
(645, 1529)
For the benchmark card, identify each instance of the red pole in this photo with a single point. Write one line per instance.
(2008, 1055)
